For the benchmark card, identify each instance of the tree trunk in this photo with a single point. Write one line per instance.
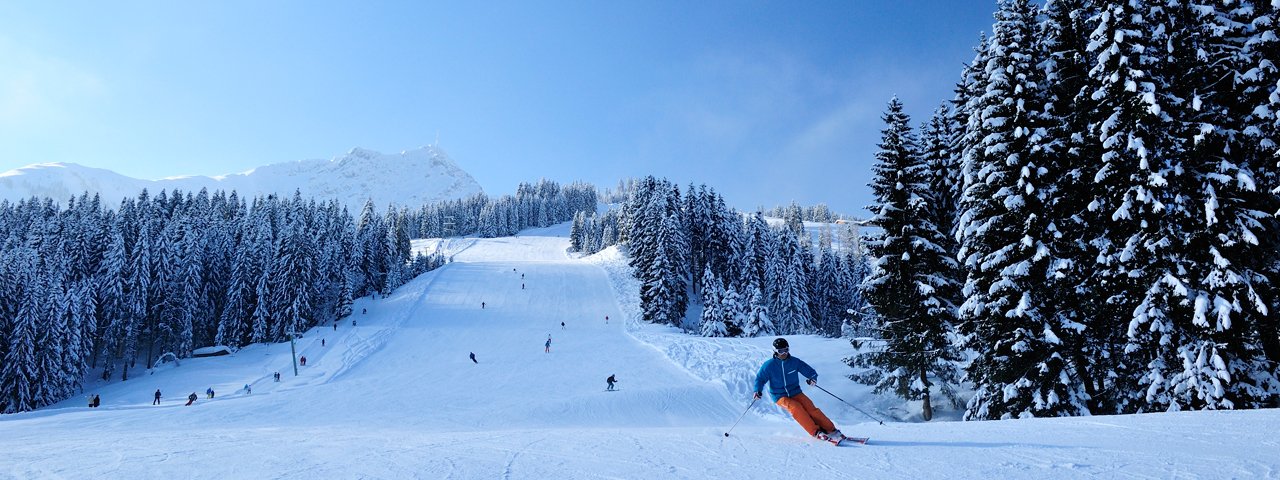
(927, 413)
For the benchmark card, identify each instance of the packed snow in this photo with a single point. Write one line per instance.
(411, 178)
(392, 393)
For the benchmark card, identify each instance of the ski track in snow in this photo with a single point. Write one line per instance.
(396, 396)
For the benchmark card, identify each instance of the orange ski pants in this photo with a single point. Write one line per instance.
(807, 415)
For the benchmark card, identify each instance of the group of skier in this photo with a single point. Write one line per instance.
(781, 373)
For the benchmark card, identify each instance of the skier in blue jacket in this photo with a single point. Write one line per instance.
(780, 372)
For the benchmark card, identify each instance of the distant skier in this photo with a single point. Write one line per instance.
(277, 376)
(191, 398)
(562, 325)
(482, 305)
(321, 342)
(248, 389)
(522, 286)
(335, 326)
(96, 401)
(548, 350)
(606, 319)
(473, 358)
(303, 360)
(611, 381)
(157, 401)
(209, 392)
(364, 311)
(784, 385)
(522, 276)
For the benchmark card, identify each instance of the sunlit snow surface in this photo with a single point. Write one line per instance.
(396, 396)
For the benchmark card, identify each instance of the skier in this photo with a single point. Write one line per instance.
(321, 342)
(611, 381)
(191, 398)
(606, 319)
(96, 401)
(482, 305)
(522, 286)
(303, 360)
(784, 385)
(562, 325)
(548, 350)
(335, 326)
(209, 392)
(157, 401)
(364, 311)
(522, 276)
(247, 389)
(473, 358)
(277, 376)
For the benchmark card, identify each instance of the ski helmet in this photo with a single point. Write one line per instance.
(780, 343)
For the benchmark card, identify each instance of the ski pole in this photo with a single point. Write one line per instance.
(744, 413)
(855, 407)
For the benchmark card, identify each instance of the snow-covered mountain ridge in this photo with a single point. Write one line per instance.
(410, 178)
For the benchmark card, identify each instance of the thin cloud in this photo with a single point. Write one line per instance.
(40, 91)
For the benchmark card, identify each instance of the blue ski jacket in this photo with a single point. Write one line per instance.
(781, 376)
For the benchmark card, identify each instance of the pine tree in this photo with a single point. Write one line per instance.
(789, 282)
(757, 322)
(1006, 239)
(713, 324)
(18, 372)
(906, 287)
(1196, 322)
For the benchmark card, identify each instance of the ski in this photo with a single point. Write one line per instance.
(838, 441)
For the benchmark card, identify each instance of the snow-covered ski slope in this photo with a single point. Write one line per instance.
(396, 396)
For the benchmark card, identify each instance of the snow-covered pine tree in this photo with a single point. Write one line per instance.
(1196, 322)
(293, 273)
(371, 237)
(713, 324)
(733, 311)
(913, 302)
(1255, 30)
(19, 371)
(830, 289)
(789, 307)
(111, 279)
(1063, 42)
(1006, 236)
(756, 322)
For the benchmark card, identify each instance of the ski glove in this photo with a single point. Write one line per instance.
(756, 396)
(811, 381)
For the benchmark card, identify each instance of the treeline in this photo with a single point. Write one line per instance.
(87, 287)
(540, 204)
(740, 276)
(819, 213)
(1091, 223)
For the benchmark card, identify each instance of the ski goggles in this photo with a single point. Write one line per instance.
(783, 351)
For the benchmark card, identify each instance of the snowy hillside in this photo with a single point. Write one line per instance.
(391, 393)
(410, 178)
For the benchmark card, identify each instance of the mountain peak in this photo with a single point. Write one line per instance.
(410, 178)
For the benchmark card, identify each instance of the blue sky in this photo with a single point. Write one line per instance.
(768, 102)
